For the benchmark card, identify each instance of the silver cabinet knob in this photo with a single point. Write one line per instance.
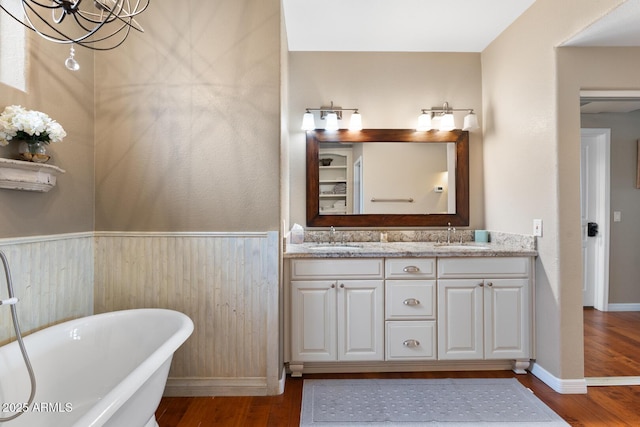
(411, 343)
(411, 301)
(411, 269)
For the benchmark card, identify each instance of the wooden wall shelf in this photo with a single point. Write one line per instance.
(28, 176)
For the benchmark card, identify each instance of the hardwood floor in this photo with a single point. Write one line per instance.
(612, 343)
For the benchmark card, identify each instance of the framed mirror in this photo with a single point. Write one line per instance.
(387, 178)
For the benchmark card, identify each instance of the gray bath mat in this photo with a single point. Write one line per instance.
(419, 402)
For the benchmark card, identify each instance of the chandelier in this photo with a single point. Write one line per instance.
(94, 24)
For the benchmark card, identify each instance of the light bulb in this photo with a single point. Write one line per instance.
(308, 123)
(447, 122)
(356, 121)
(470, 122)
(332, 121)
(424, 122)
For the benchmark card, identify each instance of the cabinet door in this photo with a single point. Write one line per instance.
(506, 312)
(313, 321)
(360, 320)
(460, 319)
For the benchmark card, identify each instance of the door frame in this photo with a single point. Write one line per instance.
(603, 189)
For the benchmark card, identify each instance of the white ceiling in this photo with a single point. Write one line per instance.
(398, 25)
(441, 26)
(620, 27)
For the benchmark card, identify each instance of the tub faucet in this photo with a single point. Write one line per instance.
(332, 235)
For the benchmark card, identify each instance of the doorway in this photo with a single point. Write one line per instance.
(610, 336)
(595, 148)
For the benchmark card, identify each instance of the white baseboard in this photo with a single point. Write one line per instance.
(575, 386)
(283, 380)
(623, 307)
(612, 381)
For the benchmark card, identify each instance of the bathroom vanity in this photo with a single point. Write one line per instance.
(397, 306)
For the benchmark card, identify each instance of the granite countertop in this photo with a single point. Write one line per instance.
(405, 249)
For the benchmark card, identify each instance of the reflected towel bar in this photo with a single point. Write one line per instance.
(409, 200)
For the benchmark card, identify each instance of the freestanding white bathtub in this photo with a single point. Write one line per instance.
(104, 370)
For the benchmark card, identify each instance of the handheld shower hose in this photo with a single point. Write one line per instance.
(12, 300)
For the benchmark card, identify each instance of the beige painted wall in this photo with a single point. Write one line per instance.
(532, 166)
(68, 98)
(624, 262)
(188, 120)
(389, 89)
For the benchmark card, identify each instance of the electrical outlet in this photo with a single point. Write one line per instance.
(537, 227)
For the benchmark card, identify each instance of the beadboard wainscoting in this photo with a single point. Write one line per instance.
(52, 278)
(226, 282)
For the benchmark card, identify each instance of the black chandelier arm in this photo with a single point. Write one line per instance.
(56, 4)
(60, 38)
(108, 15)
(126, 20)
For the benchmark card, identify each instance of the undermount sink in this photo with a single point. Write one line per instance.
(330, 247)
(461, 246)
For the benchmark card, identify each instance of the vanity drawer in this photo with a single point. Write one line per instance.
(415, 299)
(477, 267)
(410, 268)
(304, 269)
(414, 340)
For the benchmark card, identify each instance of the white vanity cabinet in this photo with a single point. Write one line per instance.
(357, 314)
(410, 309)
(484, 309)
(337, 311)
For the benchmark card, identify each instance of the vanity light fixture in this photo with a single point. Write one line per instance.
(445, 117)
(96, 25)
(331, 114)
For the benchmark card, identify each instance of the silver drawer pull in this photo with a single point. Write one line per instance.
(411, 343)
(411, 301)
(411, 269)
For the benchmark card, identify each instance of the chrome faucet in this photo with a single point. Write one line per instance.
(332, 234)
(449, 230)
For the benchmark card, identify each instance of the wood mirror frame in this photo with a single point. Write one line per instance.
(317, 137)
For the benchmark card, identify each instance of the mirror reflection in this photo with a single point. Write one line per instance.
(387, 177)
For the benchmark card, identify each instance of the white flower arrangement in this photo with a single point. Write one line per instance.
(18, 123)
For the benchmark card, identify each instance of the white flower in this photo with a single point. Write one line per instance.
(56, 133)
(17, 122)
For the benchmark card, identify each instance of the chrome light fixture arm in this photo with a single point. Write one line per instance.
(446, 115)
(332, 114)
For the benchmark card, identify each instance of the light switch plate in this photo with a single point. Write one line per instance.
(617, 216)
(537, 227)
